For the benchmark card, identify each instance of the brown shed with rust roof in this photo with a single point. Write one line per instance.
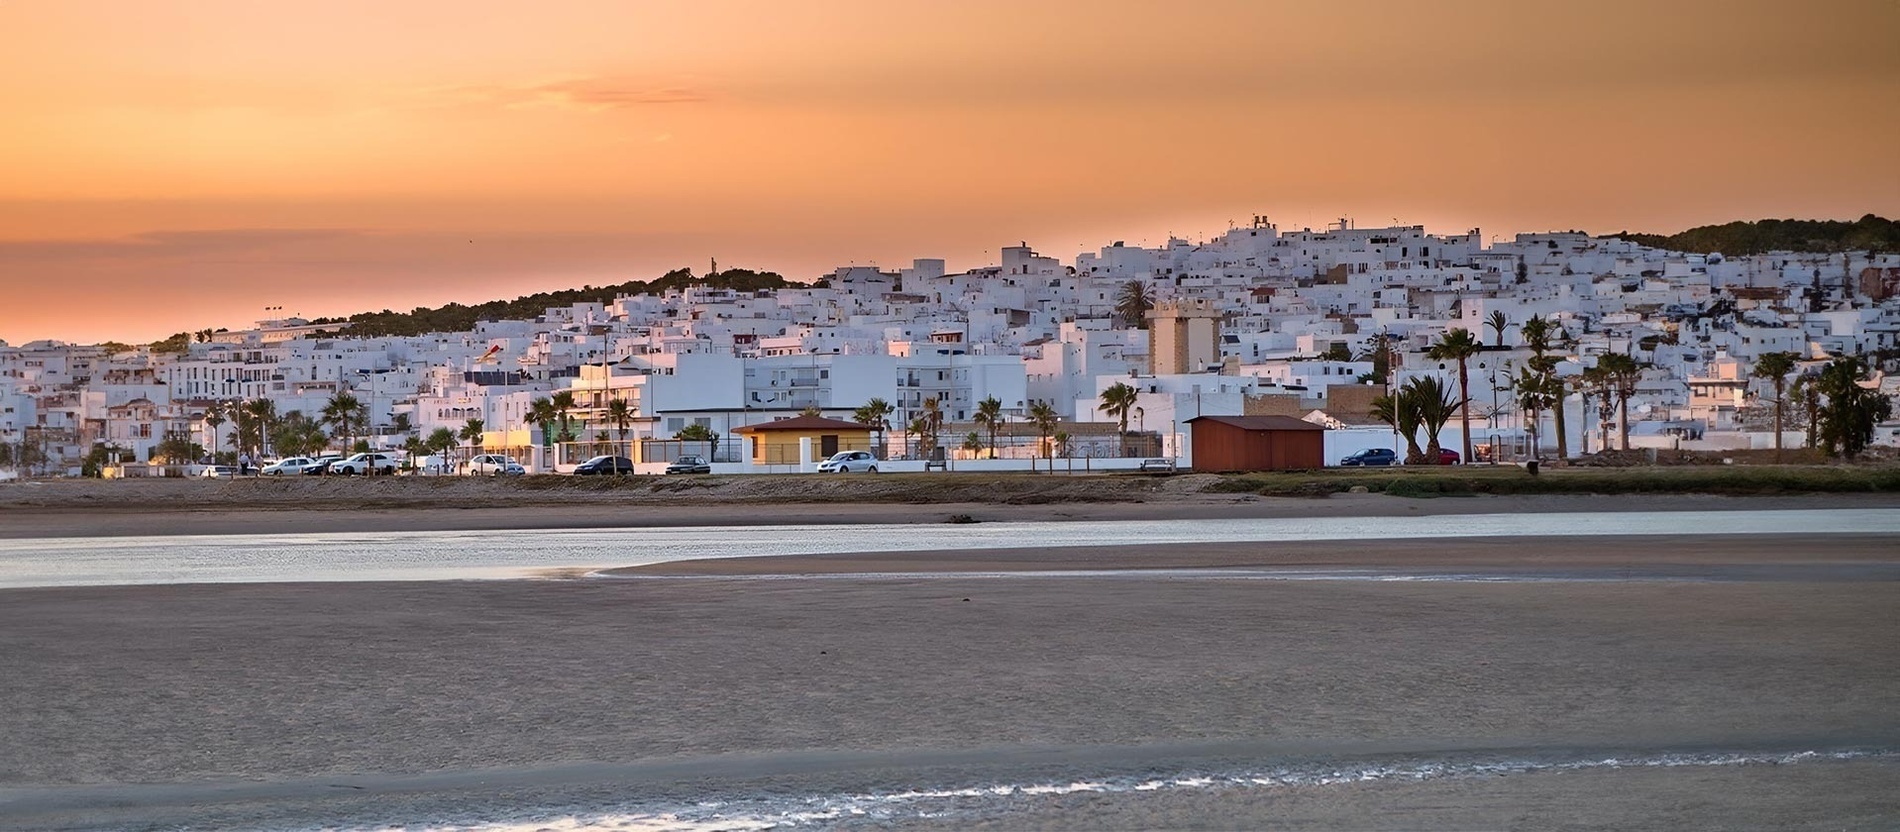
(1256, 443)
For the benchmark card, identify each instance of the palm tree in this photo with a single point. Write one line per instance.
(973, 442)
(1598, 381)
(1398, 410)
(1435, 406)
(1133, 302)
(933, 418)
(541, 414)
(343, 414)
(214, 416)
(1807, 390)
(1044, 417)
(296, 435)
(471, 433)
(1852, 411)
(1583, 386)
(620, 415)
(1775, 367)
(1622, 372)
(926, 440)
(413, 446)
(1498, 322)
(263, 412)
(876, 415)
(1537, 389)
(441, 441)
(1119, 401)
(563, 403)
(989, 416)
(1459, 345)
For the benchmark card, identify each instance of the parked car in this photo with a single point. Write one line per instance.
(845, 462)
(1165, 465)
(291, 465)
(493, 464)
(321, 465)
(690, 465)
(370, 463)
(1447, 456)
(603, 465)
(219, 471)
(1370, 457)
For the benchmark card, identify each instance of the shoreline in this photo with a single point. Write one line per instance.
(147, 518)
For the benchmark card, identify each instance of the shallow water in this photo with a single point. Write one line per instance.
(436, 555)
(987, 801)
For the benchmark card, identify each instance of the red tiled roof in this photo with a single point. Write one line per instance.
(1260, 422)
(805, 423)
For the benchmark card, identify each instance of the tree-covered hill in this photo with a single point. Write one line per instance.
(1869, 233)
(456, 317)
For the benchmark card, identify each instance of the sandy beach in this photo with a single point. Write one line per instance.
(270, 705)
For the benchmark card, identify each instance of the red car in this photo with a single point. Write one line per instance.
(1447, 456)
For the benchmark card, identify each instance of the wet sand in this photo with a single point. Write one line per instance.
(240, 513)
(514, 692)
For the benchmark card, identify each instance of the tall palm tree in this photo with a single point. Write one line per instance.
(1598, 381)
(1622, 373)
(214, 416)
(1459, 345)
(1538, 389)
(1119, 401)
(933, 418)
(1775, 367)
(541, 414)
(1498, 322)
(876, 415)
(563, 402)
(263, 413)
(471, 433)
(1132, 303)
(989, 417)
(1043, 415)
(1807, 390)
(620, 415)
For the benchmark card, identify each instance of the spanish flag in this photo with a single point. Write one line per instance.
(490, 355)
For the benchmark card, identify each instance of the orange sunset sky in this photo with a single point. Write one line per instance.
(168, 165)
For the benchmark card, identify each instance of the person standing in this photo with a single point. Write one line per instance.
(244, 463)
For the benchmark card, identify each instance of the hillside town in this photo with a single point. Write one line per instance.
(1559, 344)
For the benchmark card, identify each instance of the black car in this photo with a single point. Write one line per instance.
(690, 465)
(321, 466)
(602, 465)
(1371, 456)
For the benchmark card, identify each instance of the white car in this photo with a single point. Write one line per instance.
(366, 464)
(845, 462)
(292, 465)
(219, 471)
(492, 464)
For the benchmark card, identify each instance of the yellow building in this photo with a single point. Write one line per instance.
(782, 442)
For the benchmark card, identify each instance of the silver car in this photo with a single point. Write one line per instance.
(845, 462)
(493, 464)
(293, 465)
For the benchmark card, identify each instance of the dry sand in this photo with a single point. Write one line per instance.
(521, 690)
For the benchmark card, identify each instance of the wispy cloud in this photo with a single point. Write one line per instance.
(589, 93)
(159, 245)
